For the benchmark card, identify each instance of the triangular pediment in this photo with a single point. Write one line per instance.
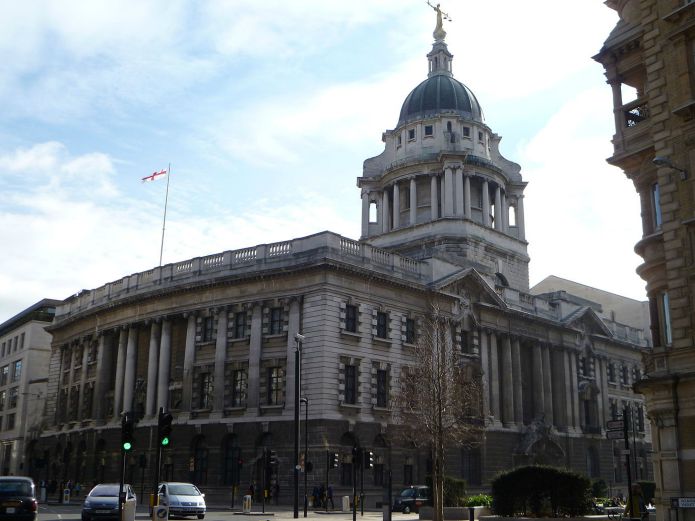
(469, 286)
(586, 320)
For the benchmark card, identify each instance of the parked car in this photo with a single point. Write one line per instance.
(102, 503)
(412, 498)
(18, 498)
(183, 499)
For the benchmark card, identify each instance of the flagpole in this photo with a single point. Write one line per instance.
(164, 221)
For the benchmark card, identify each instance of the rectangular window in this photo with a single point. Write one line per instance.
(240, 324)
(625, 376)
(4, 373)
(382, 320)
(208, 323)
(466, 131)
(12, 398)
(480, 136)
(275, 380)
(205, 391)
(21, 341)
(275, 321)
(465, 342)
(17, 371)
(350, 384)
(656, 206)
(429, 130)
(351, 318)
(400, 140)
(410, 330)
(611, 372)
(411, 134)
(10, 422)
(239, 388)
(3, 396)
(407, 474)
(382, 388)
(666, 312)
(614, 410)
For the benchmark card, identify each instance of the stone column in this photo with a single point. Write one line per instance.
(188, 360)
(220, 359)
(617, 106)
(83, 379)
(520, 217)
(486, 203)
(575, 390)
(131, 359)
(396, 205)
(498, 208)
(104, 376)
(386, 226)
(413, 201)
(255, 341)
(602, 382)
(458, 184)
(120, 368)
(434, 198)
(505, 214)
(538, 407)
(547, 385)
(448, 193)
(485, 364)
(164, 368)
(293, 323)
(365, 214)
(152, 364)
(467, 197)
(516, 379)
(494, 378)
(507, 385)
(568, 391)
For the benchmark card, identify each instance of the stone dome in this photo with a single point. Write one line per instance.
(440, 94)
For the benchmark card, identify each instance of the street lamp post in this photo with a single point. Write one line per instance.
(298, 338)
(305, 401)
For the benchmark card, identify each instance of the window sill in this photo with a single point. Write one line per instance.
(386, 410)
(352, 334)
(409, 344)
(381, 340)
(274, 335)
(205, 343)
(271, 408)
(238, 340)
(352, 406)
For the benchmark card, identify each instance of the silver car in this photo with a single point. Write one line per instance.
(102, 503)
(183, 499)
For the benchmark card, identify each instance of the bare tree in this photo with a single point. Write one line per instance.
(439, 403)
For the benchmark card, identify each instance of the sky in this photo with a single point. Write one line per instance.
(265, 112)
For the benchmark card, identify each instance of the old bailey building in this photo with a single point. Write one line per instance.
(212, 339)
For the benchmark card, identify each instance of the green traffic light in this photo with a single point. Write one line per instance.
(127, 446)
(165, 441)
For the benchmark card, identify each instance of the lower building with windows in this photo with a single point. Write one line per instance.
(213, 339)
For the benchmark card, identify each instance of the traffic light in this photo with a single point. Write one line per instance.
(164, 428)
(127, 431)
(334, 460)
(273, 458)
(368, 459)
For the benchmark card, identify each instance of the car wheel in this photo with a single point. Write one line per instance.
(406, 509)
(201, 516)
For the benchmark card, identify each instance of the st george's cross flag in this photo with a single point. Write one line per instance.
(154, 176)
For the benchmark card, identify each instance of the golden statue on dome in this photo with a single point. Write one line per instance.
(439, 32)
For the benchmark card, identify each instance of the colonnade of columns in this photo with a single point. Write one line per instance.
(450, 196)
(122, 344)
(552, 385)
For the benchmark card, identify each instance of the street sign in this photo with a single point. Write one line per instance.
(686, 502)
(615, 425)
(614, 435)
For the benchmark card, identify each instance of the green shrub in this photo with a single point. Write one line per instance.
(599, 488)
(479, 500)
(541, 491)
(454, 490)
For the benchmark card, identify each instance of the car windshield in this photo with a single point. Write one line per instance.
(104, 491)
(15, 488)
(408, 492)
(183, 490)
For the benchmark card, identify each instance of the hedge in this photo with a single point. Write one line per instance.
(541, 491)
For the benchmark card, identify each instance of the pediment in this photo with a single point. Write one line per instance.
(469, 287)
(586, 320)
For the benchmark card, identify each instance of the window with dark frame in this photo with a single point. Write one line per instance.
(12, 398)
(275, 321)
(382, 388)
(240, 324)
(350, 384)
(411, 134)
(4, 373)
(408, 474)
(351, 318)
(274, 386)
(208, 323)
(466, 131)
(205, 391)
(429, 130)
(17, 371)
(239, 388)
(382, 324)
(410, 330)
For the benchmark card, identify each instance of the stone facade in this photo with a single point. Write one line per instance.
(213, 339)
(650, 53)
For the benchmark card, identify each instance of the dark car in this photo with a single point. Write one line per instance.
(412, 498)
(102, 503)
(18, 498)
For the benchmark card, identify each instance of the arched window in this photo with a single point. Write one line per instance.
(200, 462)
(511, 218)
(231, 461)
(592, 463)
(373, 214)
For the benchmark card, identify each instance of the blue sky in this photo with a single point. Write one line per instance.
(266, 111)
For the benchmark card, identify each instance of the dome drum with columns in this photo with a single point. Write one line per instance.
(441, 187)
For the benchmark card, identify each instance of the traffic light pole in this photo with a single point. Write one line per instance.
(328, 467)
(120, 485)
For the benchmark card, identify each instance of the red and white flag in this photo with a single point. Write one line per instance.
(154, 176)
